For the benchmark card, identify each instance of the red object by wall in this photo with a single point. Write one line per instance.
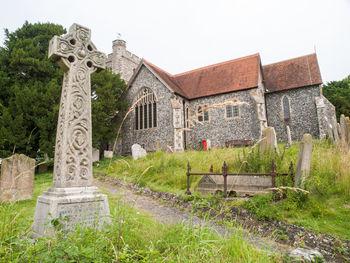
(205, 145)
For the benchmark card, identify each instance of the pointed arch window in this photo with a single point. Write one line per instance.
(145, 110)
(286, 108)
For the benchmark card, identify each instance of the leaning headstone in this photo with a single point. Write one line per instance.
(347, 131)
(343, 131)
(17, 178)
(269, 140)
(73, 200)
(329, 130)
(335, 131)
(108, 154)
(137, 151)
(304, 160)
(95, 155)
(289, 137)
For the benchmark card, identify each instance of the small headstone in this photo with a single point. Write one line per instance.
(17, 178)
(108, 154)
(304, 160)
(343, 131)
(306, 255)
(289, 137)
(329, 130)
(347, 131)
(269, 140)
(73, 200)
(137, 151)
(208, 144)
(95, 155)
(335, 131)
(42, 168)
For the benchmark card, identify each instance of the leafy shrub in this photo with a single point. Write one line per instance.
(262, 206)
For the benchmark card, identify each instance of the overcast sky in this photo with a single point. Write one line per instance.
(186, 34)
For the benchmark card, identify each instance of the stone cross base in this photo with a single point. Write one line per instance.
(75, 206)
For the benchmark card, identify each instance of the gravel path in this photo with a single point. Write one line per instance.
(172, 215)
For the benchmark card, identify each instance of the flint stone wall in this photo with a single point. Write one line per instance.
(328, 110)
(163, 134)
(303, 112)
(122, 61)
(220, 129)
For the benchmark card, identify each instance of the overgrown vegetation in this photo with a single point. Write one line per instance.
(132, 237)
(325, 209)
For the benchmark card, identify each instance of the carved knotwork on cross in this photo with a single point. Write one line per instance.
(76, 49)
(78, 57)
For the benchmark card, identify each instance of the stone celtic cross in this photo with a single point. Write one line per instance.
(78, 58)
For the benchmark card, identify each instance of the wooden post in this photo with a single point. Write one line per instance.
(224, 173)
(188, 192)
(273, 173)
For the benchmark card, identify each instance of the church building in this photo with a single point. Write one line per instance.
(228, 103)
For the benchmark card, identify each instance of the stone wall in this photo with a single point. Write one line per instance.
(122, 61)
(325, 114)
(163, 134)
(303, 112)
(220, 129)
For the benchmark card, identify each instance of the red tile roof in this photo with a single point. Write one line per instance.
(241, 74)
(293, 73)
(167, 78)
(233, 75)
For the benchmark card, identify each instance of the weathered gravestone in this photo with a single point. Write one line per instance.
(289, 137)
(72, 199)
(269, 140)
(108, 154)
(137, 151)
(335, 131)
(304, 160)
(241, 185)
(347, 131)
(343, 131)
(330, 130)
(95, 155)
(17, 178)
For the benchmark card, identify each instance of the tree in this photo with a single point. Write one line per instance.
(30, 87)
(107, 105)
(338, 93)
(30, 90)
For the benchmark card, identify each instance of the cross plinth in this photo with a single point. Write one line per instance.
(78, 58)
(72, 199)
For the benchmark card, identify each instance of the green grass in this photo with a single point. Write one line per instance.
(132, 237)
(326, 209)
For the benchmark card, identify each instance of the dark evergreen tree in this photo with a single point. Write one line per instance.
(30, 87)
(338, 93)
(107, 106)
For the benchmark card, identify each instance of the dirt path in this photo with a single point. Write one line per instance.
(171, 215)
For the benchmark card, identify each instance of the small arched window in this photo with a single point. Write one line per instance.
(145, 110)
(286, 108)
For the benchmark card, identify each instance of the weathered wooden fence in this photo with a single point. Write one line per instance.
(224, 173)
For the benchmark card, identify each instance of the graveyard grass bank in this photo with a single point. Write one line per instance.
(325, 210)
(132, 237)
